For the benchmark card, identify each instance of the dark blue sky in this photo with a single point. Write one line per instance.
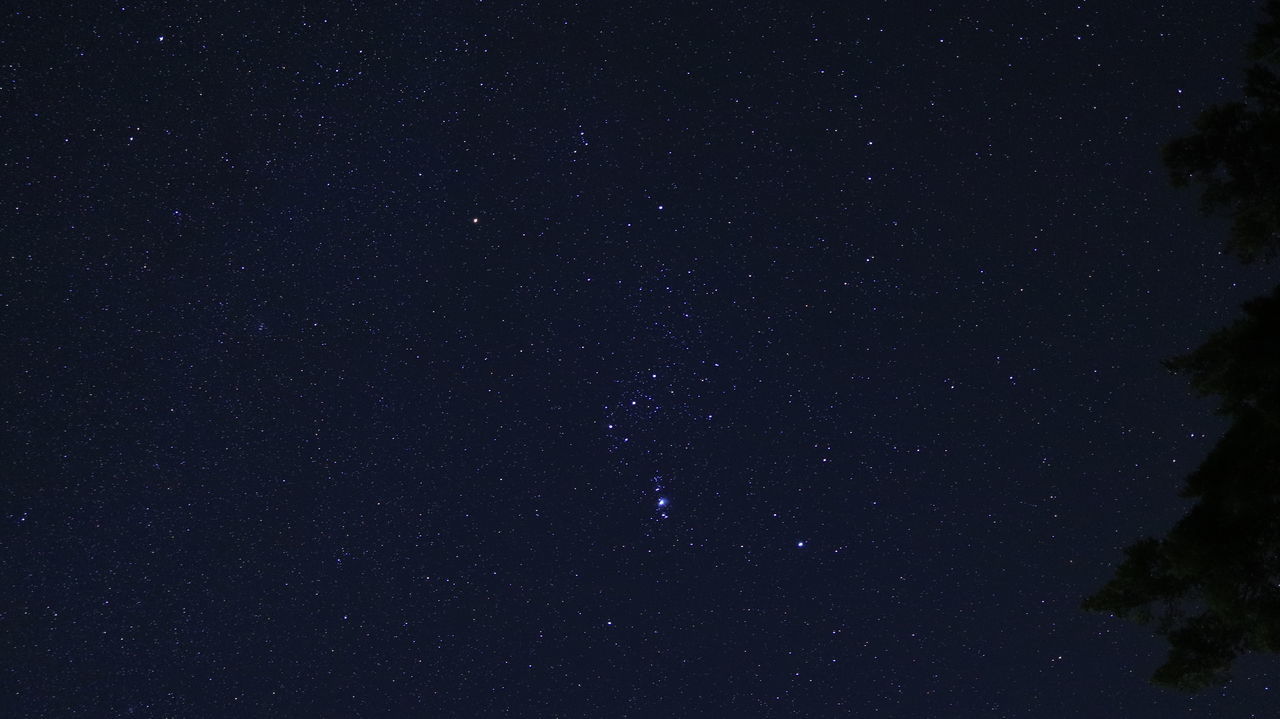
(566, 360)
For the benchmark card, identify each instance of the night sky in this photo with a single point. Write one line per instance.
(664, 359)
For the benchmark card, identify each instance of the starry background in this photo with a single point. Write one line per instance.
(765, 359)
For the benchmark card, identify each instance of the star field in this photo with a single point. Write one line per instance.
(496, 359)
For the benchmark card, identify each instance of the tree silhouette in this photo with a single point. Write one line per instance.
(1211, 587)
(1234, 154)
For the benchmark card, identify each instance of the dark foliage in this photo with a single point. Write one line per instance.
(1212, 586)
(1234, 153)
